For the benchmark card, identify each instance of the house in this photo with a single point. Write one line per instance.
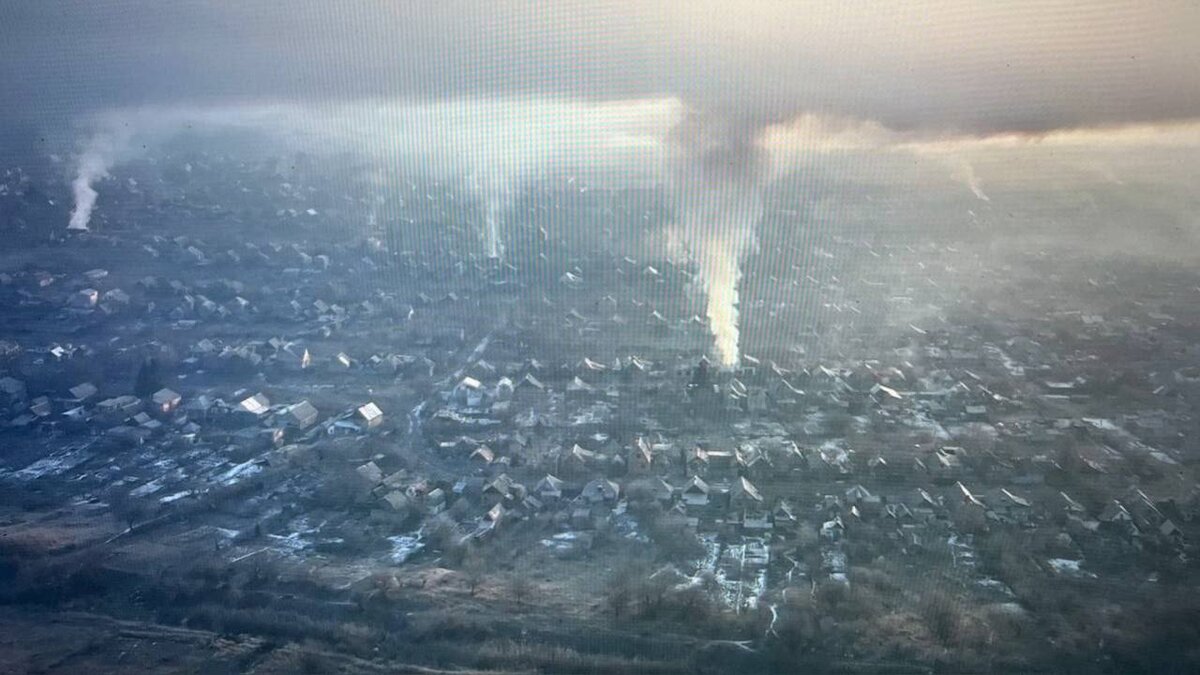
(757, 521)
(12, 388)
(83, 392)
(396, 480)
(975, 413)
(146, 422)
(577, 460)
(1145, 514)
(41, 406)
(76, 414)
(928, 500)
(1012, 505)
(789, 456)
(857, 494)
(783, 516)
(662, 490)
(504, 389)
(532, 383)
(85, 299)
(1168, 530)
(166, 401)
(549, 488)
(743, 495)
(468, 392)
(483, 454)
(435, 501)
(867, 504)
(1071, 505)
(1116, 518)
(900, 512)
(370, 472)
(119, 407)
(496, 514)
(581, 519)
(578, 386)
(1115, 512)
(587, 364)
(752, 463)
(369, 416)
(697, 462)
(642, 457)
(618, 462)
(600, 490)
(498, 490)
(396, 500)
(948, 462)
(885, 396)
(303, 414)
(833, 530)
(695, 493)
(756, 402)
(967, 496)
(710, 463)
(256, 405)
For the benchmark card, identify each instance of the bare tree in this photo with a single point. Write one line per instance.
(520, 587)
(620, 591)
(473, 568)
(942, 614)
(127, 508)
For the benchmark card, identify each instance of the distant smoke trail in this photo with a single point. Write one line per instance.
(966, 173)
(495, 191)
(719, 184)
(490, 148)
(495, 245)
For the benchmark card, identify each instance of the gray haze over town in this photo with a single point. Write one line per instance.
(601, 337)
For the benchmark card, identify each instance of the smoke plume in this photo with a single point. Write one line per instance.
(719, 180)
(965, 172)
(489, 148)
(495, 191)
(93, 164)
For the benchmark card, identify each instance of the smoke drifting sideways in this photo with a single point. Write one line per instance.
(717, 168)
(489, 148)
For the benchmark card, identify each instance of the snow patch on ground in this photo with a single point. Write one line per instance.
(54, 465)
(237, 473)
(405, 546)
(1068, 567)
(147, 489)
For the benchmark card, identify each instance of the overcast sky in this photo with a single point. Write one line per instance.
(974, 67)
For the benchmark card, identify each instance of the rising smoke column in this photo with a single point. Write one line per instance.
(495, 191)
(97, 157)
(964, 171)
(719, 180)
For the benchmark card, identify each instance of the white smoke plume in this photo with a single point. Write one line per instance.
(489, 148)
(495, 191)
(719, 181)
(965, 172)
(100, 153)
